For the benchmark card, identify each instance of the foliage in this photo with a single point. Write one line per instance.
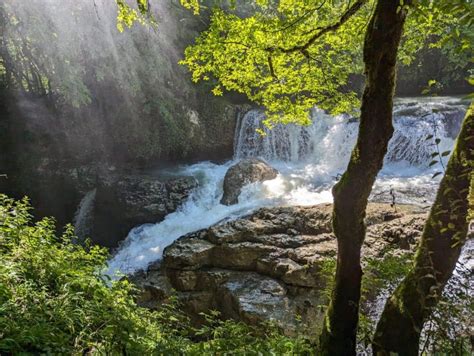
(449, 327)
(326, 275)
(263, 54)
(292, 55)
(451, 33)
(223, 336)
(20, 64)
(380, 277)
(107, 95)
(385, 272)
(447, 330)
(127, 15)
(437, 157)
(54, 299)
(29, 65)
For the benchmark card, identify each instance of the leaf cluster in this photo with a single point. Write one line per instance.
(262, 54)
(53, 297)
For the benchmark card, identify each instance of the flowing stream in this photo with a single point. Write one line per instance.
(310, 160)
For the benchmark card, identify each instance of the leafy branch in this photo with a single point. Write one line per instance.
(321, 31)
(437, 156)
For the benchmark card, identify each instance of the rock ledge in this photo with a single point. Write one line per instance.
(266, 266)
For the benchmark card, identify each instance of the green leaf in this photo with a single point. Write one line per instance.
(445, 153)
(436, 174)
(432, 163)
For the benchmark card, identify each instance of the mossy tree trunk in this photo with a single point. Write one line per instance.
(352, 191)
(444, 234)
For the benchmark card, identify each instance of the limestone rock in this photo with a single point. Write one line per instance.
(245, 172)
(125, 201)
(267, 266)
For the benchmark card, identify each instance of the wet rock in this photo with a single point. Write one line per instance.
(125, 201)
(245, 172)
(155, 289)
(267, 266)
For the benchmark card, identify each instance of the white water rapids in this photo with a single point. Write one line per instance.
(309, 160)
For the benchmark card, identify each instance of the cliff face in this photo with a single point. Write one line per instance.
(122, 98)
(115, 100)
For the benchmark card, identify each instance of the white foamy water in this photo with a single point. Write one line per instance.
(83, 217)
(309, 160)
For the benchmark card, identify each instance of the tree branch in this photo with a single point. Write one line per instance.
(270, 66)
(299, 19)
(323, 30)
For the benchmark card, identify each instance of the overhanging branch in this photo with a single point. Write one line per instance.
(323, 30)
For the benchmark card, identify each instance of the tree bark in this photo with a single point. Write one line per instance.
(352, 191)
(444, 234)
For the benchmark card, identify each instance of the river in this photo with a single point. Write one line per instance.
(310, 160)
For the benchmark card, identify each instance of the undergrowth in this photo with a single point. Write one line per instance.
(54, 299)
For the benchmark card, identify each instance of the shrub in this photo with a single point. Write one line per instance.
(54, 299)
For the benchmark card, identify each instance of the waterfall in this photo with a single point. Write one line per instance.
(83, 217)
(294, 143)
(309, 160)
(329, 140)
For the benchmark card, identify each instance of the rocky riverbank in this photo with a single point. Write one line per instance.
(105, 202)
(268, 266)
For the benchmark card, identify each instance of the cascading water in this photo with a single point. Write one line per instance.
(330, 139)
(309, 160)
(292, 143)
(83, 216)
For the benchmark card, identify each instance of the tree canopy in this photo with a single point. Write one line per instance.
(292, 55)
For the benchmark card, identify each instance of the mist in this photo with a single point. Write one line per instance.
(116, 95)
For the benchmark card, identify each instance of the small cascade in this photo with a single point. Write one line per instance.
(415, 121)
(327, 136)
(83, 217)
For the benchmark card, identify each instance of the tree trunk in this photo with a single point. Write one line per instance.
(352, 191)
(445, 232)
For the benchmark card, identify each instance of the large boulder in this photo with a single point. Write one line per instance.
(267, 266)
(247, 171)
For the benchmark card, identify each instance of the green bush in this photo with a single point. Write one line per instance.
(54, 299)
